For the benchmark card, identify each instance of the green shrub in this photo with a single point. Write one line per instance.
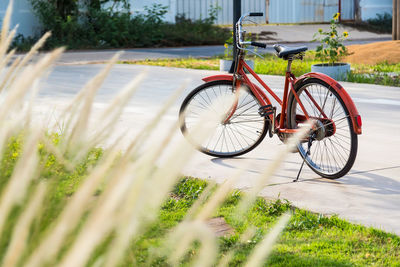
(90, 26)
(188, 32)
(382, 23)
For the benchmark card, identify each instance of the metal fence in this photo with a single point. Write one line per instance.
(305, 11)
(199, 9)
(276, 11)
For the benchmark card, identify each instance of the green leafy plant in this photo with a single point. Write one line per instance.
(382, 23)
(192, 32)
(331, 48)
(228, 52)
(110, 24)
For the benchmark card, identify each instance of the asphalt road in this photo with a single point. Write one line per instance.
(99, 56)
(369, 194)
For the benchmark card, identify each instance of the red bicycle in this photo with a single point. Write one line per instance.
(331, 147)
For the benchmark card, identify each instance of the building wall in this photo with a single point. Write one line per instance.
(199, 9)
(370, 8)
(276, 11)
(23, 16)
(303, 11)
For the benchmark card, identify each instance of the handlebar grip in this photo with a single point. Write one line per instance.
(256, 14)
(259, 44)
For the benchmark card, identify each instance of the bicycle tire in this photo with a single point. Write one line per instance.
(248, 133)
(334, 155)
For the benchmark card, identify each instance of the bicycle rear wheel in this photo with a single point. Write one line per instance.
(237, 136)
(333, 152)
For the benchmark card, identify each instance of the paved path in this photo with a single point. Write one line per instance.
(369, 194)
(295, 35)
(100, 56)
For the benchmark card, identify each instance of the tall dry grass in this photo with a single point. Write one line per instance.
(134, 181)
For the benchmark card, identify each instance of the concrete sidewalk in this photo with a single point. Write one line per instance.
(294, 34)
(368, 194)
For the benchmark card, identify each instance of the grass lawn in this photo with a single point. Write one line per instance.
(308, 240)
(272, 65)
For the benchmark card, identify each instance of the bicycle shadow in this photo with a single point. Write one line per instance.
(292, 169)
(371, 180)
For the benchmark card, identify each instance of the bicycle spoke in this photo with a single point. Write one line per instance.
(340, 157)
(234, 135)
(245, 110)
(333, 154)
(240, 133)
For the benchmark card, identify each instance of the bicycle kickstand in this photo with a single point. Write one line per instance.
(310, 139)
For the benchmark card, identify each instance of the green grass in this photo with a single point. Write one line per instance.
(188, 63)
(62, 184)
(308, 240)
(272, 65)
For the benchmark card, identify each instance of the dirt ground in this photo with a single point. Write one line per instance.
(374, 53)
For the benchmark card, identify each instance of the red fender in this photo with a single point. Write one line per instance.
(224, 77)
(354, 115)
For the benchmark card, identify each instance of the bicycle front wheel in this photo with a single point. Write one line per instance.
(236, 136)
(334, 146)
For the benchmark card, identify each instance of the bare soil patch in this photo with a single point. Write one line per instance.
(220, 227)
(374, 53)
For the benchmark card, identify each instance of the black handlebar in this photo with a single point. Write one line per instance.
(256, 14)
(259, 44)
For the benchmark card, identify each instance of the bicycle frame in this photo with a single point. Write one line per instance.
(263, 98)
(291, 82)
(313, 97)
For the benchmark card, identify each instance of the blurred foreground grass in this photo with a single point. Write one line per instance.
(308, 240)
(68, 200)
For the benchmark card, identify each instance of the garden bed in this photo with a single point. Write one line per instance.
(374, 53)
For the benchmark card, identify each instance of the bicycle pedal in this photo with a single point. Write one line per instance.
(266, 110)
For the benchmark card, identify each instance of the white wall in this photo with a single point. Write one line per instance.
(370, 8)
(22, 15)
(137, 6)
